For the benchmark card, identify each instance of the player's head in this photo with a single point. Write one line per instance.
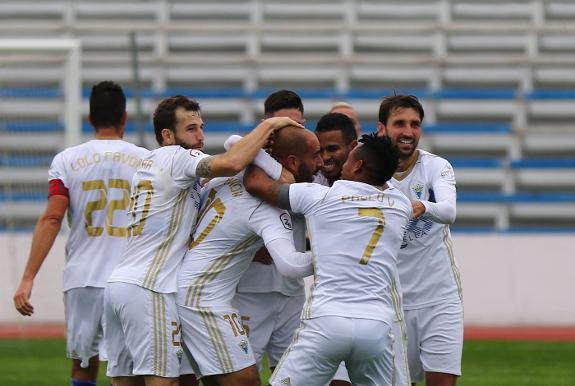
(346, 109)
(298, 151)
(108, 106)
(336, 135)
(284, 103)
(178, 121)
(373, 161)
(400, 118)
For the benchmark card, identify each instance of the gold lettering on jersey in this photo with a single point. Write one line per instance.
(235, 186)
(364, 197)
(88, 160)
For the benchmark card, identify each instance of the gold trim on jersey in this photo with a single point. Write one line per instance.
(456, 274)
(160, 341)
(164, 248)
(216, 267)
(306, 312)
(399, 176)
(217, 339)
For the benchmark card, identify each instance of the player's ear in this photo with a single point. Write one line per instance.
(353, 144)
(168, 137)
(291, 162)
(381, 129)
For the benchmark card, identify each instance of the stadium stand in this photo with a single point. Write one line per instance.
(496, 80)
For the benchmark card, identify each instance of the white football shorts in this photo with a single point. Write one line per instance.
(434, 339)
(216, 339)
(322, 343)
(143, 332)
(271, 319)
(84, 312)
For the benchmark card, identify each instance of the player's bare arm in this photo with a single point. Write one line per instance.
(45, 233)
(257, 183)
(244, 151)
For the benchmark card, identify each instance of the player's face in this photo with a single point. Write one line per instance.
(334, 153)
(189, 129)
(346, 169)
(403, 127)
(309, 162)
(294, 114)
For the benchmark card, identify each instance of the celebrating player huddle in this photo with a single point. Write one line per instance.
(172, 239)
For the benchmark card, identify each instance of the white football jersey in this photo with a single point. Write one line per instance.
(355, 231)
(230, 229)
(427, 269)
(164, 206)
(97, 174)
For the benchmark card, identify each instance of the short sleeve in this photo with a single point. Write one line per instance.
(303, 197)
(184, 166)
(57, 170)
(271, 223)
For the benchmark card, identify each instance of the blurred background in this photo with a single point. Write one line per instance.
(496, 78)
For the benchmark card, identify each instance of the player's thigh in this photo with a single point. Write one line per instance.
(401, 368)
(151, 327)
(84, 310)
(370, 362)
(286, 323)
(413, 328)
(216, 340)
(257, 313)
(318, 347)
(120, 363)
(442, 338)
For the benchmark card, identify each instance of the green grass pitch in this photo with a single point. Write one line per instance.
(486, 363)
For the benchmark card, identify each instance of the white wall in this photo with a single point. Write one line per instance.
(507, 279)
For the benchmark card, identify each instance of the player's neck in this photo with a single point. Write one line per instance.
(108, 133)
(407, 163)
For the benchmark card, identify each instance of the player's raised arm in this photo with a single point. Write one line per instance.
(244, 151)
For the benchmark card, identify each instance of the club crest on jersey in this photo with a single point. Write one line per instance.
(286, 381)
(417, 189)
(244, 345)
(286, 221)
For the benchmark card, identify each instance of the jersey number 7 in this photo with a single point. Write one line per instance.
(376, 213)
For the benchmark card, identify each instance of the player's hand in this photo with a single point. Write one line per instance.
(276, 123)
(262, 256)
(22, 298)
(418, 208)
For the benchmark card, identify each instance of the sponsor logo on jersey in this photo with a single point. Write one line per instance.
(416, 228)
(286, 221)
(244, 345)
(447, 173)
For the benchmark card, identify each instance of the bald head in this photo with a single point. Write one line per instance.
(297, 150)
(346, 109)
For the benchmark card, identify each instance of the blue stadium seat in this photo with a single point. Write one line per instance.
(475, 93)
(543, 94)
(23, 126)
(381, 93)
(476, 163)
(25, 160)
(30, 92)
(543, 163)
(199, 93)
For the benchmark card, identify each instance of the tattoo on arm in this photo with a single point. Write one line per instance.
(204, 168)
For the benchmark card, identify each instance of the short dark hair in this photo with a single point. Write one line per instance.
(165, 114)
(337, 122)
(282, 99)
(393, 102)
(380, 157)
(107, 105)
